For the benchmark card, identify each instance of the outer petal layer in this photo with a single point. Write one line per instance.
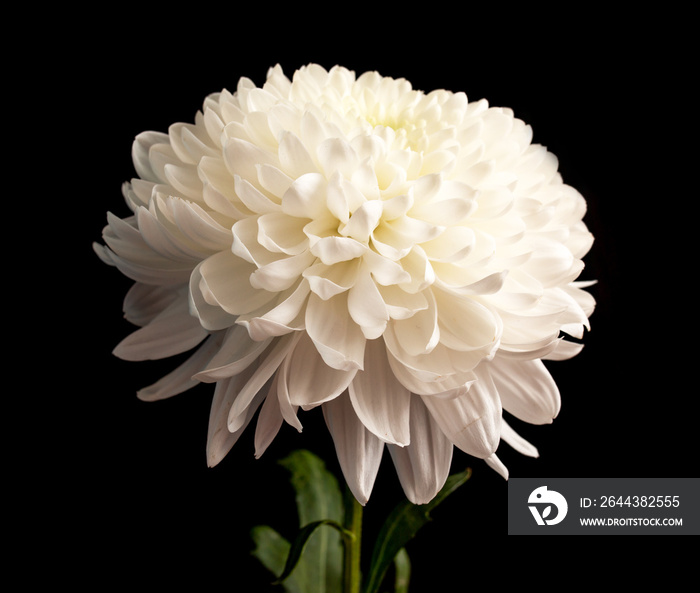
(424, 465)
(472, 419)
(359, 451)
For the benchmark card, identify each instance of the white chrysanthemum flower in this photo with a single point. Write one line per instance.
(403, 259)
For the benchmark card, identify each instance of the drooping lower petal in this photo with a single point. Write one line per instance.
(516, 441)
(471, 421)
(424, 465)
(526, 388)
(171, 332)
(236, 352)
(263, 371)
(143, 302)
(181, 378)
(359, 451)
(219, 438)
(270, 420)
(497, 465)
(380, 401)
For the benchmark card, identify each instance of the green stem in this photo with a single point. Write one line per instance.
(352, 576)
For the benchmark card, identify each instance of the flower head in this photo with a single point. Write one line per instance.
(403, 259)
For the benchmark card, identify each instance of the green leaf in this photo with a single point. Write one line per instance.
(318, 498)
(319, 502)
(318, 495)
(272, 550)
(401, 526)
(299, 543)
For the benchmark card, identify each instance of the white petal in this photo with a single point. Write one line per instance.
(379, 400)
(335, 154)
(401, 234)
(333, 250)
(162, 241)
(428, 380)
(564, 350)
(312, 129)
(342, 197)
(243, 158)
(219, 438)
(217, 190)
(426, 188)
(286, 408)
(526, 389)
(236, 352)
(274, 181)
(171, 332)
(253, 198)
(471, 421)
(310, 381)
(397, 206)
(439, 370)
(401, 304)
(359, 451)
(419, 334)
(181, 379)
(444, 212)
(270, 420)
(306, 197)
(385, 271)
(226, 277)
(366, 306)
(364, 178)
(516, 441)
(200, 227)
(190, 142)
(453, 244)
(327, 281)
(263, 371)
(185, 180)
(256, 127)
(424, 465)
(135, 258)
(246, 243)
(362, 221)
(337, 337)
(285, 315)
(281, 274)
(295, 160)
(465, 324)
(140, 151)
(282, 234)
(143, 302)
(497, 465)
(490, 284)
(420, 269)
(552, 263)
(211, 316)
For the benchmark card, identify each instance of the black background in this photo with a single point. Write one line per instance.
(604, 92)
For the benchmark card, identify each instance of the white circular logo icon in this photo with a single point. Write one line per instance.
(542, 502)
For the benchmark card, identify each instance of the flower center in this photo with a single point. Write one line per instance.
(406, 132)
